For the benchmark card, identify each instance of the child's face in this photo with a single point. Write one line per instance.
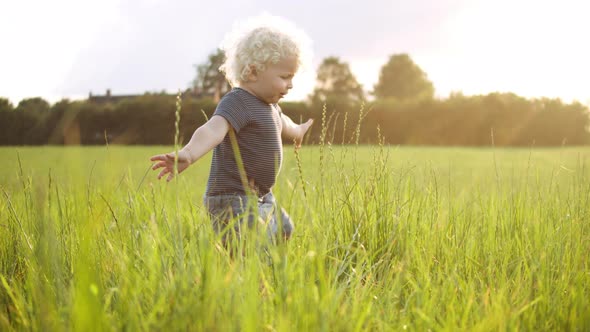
(275, 82)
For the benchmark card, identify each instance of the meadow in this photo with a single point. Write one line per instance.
(387, 238)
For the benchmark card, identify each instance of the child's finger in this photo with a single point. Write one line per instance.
(170, 176)
(163, 172)
(158, 157)
(158, 165)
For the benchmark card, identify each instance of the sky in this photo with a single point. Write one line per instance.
(69, 48)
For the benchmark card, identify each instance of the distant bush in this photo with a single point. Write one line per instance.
(501, 119)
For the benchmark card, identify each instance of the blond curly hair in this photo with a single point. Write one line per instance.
(259, 41)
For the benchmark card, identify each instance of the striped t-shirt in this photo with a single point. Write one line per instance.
(257, 126)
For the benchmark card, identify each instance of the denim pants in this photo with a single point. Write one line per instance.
(233, 213)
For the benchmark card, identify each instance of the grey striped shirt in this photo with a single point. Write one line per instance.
(258, 131)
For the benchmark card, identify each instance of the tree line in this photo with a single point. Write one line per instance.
(403, 111)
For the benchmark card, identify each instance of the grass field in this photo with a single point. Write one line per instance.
(386, 239)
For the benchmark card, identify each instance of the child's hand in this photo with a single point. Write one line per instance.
(301, 132)
(167, 162)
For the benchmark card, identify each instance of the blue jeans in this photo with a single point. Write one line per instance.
(231, 213)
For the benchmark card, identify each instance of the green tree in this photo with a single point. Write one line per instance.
(34, 105)
(5, 105)
(336, 86)
(209, 79)
(29, 124)
(401, 78)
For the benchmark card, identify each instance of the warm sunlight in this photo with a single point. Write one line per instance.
(182, 165)
(531, 48)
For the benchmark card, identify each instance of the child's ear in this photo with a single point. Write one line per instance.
(253, 76)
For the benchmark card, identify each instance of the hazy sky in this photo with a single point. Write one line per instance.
(67, 48)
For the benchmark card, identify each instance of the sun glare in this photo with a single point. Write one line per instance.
(532, 48)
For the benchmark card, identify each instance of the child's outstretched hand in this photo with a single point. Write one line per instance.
(167, 162)
(301, 132)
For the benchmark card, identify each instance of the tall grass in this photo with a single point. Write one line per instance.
(386, 238)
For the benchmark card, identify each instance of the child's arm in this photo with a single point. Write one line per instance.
(294, 131)
(205, 138)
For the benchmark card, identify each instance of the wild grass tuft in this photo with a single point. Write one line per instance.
(396, 238)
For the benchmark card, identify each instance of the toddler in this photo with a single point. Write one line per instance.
(246, 129)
